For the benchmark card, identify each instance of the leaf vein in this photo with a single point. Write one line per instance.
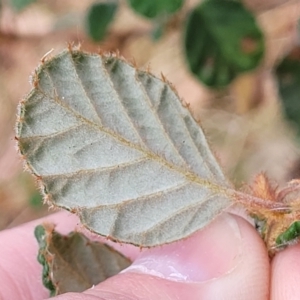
(98, 170)
(118, 96)
(152, 155)
(159, 120)
(52, 135)
(178, 212)
(92, 105)
(188, 134)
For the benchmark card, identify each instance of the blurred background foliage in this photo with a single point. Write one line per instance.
(236, 63)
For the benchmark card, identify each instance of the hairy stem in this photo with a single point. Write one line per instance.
(254, 202)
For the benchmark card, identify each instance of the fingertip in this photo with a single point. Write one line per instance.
(250, 278)
(19, 267)
(205, 255)
(247, 279)
(285, 274)
(242, 272)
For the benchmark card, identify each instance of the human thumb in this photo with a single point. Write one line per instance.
(226, 260)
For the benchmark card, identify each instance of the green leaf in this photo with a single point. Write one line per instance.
(73, 263)
(41, 236)
(289, 235)
(222, 40)
(158, 31)
(19, 5)
(115, 145)
(155, 8)
(98, 18)
(288, 76)
(36, 199)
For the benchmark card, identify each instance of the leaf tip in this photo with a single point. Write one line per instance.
(39, 233)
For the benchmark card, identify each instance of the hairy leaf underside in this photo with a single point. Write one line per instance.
(116, 146)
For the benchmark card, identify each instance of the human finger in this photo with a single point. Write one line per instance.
(226, 260)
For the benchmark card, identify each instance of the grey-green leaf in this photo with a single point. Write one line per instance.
(98, 18)
(115, 145)
(73, 263)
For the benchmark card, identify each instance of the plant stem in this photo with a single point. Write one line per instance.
(264, 204)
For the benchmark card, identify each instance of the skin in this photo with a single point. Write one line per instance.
(226, 260)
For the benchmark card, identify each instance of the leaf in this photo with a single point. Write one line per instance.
(40, 234)
(277, 228)
(115, 145)
(158, 31)
(98, 18)
(155, 8)
(288, 77)
(73, 263)
(222, 40)
(19, 5)
(36, 199)
(292, 233)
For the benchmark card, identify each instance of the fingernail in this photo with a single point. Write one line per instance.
(207, 254)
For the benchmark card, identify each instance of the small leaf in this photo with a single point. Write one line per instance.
(40, 235)
(98, 18)
(115, 145)
(288, 76)
(292, 233)
(72, 263)
(155, 8)
(36, 199)
(158, 31)
(19, 5)
(222, 40)
(274, 225)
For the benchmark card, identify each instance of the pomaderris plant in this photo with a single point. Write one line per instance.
(116, 146)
